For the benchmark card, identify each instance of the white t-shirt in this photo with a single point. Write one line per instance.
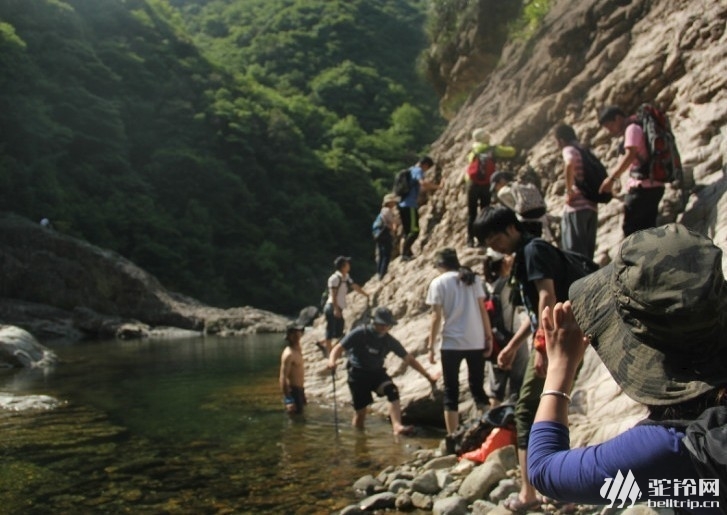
(463, 329)
(338, 280)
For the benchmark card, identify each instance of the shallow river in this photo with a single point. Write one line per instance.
(180, 426)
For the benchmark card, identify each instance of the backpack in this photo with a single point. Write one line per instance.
(664, 163)
(502, 335)
(529, 203)
(577, 265)
(594, 173)
(481, 168)
(403, 183)
(378, 229)
(325, 293)
(469, 437)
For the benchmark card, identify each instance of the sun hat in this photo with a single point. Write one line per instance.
(390, 197)
(384, 316)
(340, 260)
(294, 326)
(447, 258)
(657, 315)
(481, 136)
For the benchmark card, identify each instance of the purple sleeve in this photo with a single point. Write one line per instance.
(577, 475)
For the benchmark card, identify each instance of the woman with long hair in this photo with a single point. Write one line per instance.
(457, 299)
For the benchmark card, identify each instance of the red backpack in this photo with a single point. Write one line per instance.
(664, 163)
(481, 168)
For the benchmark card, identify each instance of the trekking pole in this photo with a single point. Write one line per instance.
(335, 403)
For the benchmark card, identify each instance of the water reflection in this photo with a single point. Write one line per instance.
(204, 418)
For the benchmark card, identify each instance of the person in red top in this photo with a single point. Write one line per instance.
(643, 194)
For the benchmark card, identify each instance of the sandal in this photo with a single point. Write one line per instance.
(515, 505)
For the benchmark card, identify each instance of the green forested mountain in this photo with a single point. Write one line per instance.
(230, 147)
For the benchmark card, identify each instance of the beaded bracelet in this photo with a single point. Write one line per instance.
(556, 393)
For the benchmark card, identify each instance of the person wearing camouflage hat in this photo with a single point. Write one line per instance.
(657, 317)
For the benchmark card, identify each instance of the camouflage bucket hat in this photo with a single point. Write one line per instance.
(657, 315)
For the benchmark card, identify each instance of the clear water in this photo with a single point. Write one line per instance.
(213, 403)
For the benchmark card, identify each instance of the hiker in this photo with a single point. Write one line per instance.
(482, 164)
(339, 284)
(409, 204)
(366, 348)
(457, 297)
(542, 277)
(643, 194)
(656, 318)
(505, 374)
(385, 239)
(579, 223)
(525, 200)
(291, 371)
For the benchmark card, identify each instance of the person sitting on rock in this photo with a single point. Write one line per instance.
(366, 348)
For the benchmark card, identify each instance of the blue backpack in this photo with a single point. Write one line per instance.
(378, 229)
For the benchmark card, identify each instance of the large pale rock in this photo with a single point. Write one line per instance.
(481, 480)
(454, 505)
(61, 287)
(18, 348)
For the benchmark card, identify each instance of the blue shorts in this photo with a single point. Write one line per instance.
(297, 397)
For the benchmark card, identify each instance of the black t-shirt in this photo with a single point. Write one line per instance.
(367, 349)
(538, 259)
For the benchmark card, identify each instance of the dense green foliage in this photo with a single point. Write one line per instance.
(232, 148)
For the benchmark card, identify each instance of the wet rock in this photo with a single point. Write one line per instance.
(353, 509)
(19, 349)
(382, 501)
(367, 485)
(426, 483)
(12, 402)
(450, 506)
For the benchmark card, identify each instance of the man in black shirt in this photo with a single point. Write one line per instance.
(367, 347)
(541, 274)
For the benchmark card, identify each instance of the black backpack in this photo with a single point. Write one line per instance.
(594, 173)
(470, 436)
(577, 265)
(403, 183)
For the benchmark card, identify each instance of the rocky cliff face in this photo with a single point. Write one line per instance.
(56, 286)
(586, 55)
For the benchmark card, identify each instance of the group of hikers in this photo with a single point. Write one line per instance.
(656, 316)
